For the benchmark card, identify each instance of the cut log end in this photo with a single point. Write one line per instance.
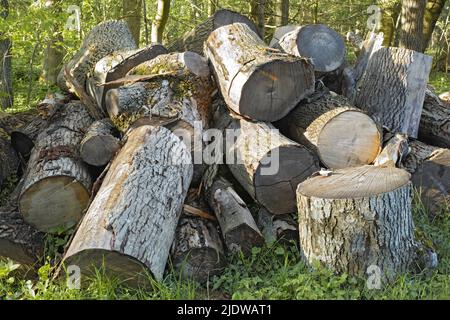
(99, 150)
(68, 200)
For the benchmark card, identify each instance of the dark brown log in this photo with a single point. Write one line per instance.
(130, 225)
(392, 89)
(324, 46)
(9, 162)
(358, 219)
(342, 135)
(256, 81)
(194, 39)
(280, 228)
(57, 183)
(238, 227)
(434, 126)
(100, 143)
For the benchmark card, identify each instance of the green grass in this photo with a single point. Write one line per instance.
(440, 81)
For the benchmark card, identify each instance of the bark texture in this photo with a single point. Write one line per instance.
(130, 225)
(6, 88)
(9, 162)
(411, 33)
(433, 10)
(160, 21)
(132, 13)
(256, 81)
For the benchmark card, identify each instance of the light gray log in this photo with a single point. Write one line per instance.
(100, 143)
(194, 39)
(57, 183)
(358, 219)
(342, 135)
(280, 32)
(239, 229)
(130, 225)
(256, 81)
(324, 46)
(392, 89)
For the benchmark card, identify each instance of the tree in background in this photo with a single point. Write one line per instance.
(411, 33)
(390, 12)
(433, 10)
(257, 8)
(282, 12)
(160, 21)
(6, 91)
(212, 6)
(132, 13)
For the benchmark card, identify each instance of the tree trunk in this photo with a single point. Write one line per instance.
(257, 13)
(433, 10)
(393, 88)
(357, 219)
(132, 13)
(257, 82)
(268, 165)
(100, 143)
(430, 169)
(130, 225)
(239, 229)
(434, 126)
(194, 39)
(6, 89)
(54, 52)
(318, 42)
(342, 135)
(197, 251)
(57, 183)
(390, 11)
(116, 66)
(9, 162)
(212, 7)
(282, 13)
(411, 33)
(162, 15)
(281, 228)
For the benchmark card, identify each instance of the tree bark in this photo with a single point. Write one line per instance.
(9, 162)
(54, 52)
(433, 10)
(357, 218)
(194, 39)
(130, 225)
(282, 12)
(257, 82)
(390, 11)
(257, 13)
(132, 13)
(6, 89)
(342, 135)
(392, 89)
(57, 183)
(324, 46)
(434, 126)
(430, 169)
(100, 143)
(239, 229)
(411, 33)
(160, 21)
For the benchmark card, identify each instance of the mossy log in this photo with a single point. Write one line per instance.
(342, 135)
(57, 183)
(256, 81)
(130, 224)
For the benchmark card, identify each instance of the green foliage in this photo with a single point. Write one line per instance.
(440, 81)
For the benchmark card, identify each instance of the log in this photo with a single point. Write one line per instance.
(324, 46)
(280, 32)
(238, 227)
(57, 183)
(256, 81)
(115, 66)
(130, 225)
(100, 143)
(194, 39)
(342, 135)
(197, 251)
(268, 165)
(392, 89)
(430, 169)
(434, 125)
(9, 162)
(24, 137)
(395, 149)
(357, 218)
(281, 228)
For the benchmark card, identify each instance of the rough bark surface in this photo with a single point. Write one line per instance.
(256, 81)
(57, 183)
(393, 88)
(411, 33)
(357, 219)
(130, 225)
(342, 135)
(9, 162)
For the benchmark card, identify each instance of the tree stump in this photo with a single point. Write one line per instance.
(324, 46)
(342, 135)
(357, 218)
(100, 143)
(194, 39)
(392, 89)
(267, 164)
(130, 225)
(256, 81)
(57, 183)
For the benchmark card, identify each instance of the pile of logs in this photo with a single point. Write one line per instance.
(117, 154)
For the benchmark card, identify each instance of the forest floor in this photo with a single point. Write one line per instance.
(271, 272)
